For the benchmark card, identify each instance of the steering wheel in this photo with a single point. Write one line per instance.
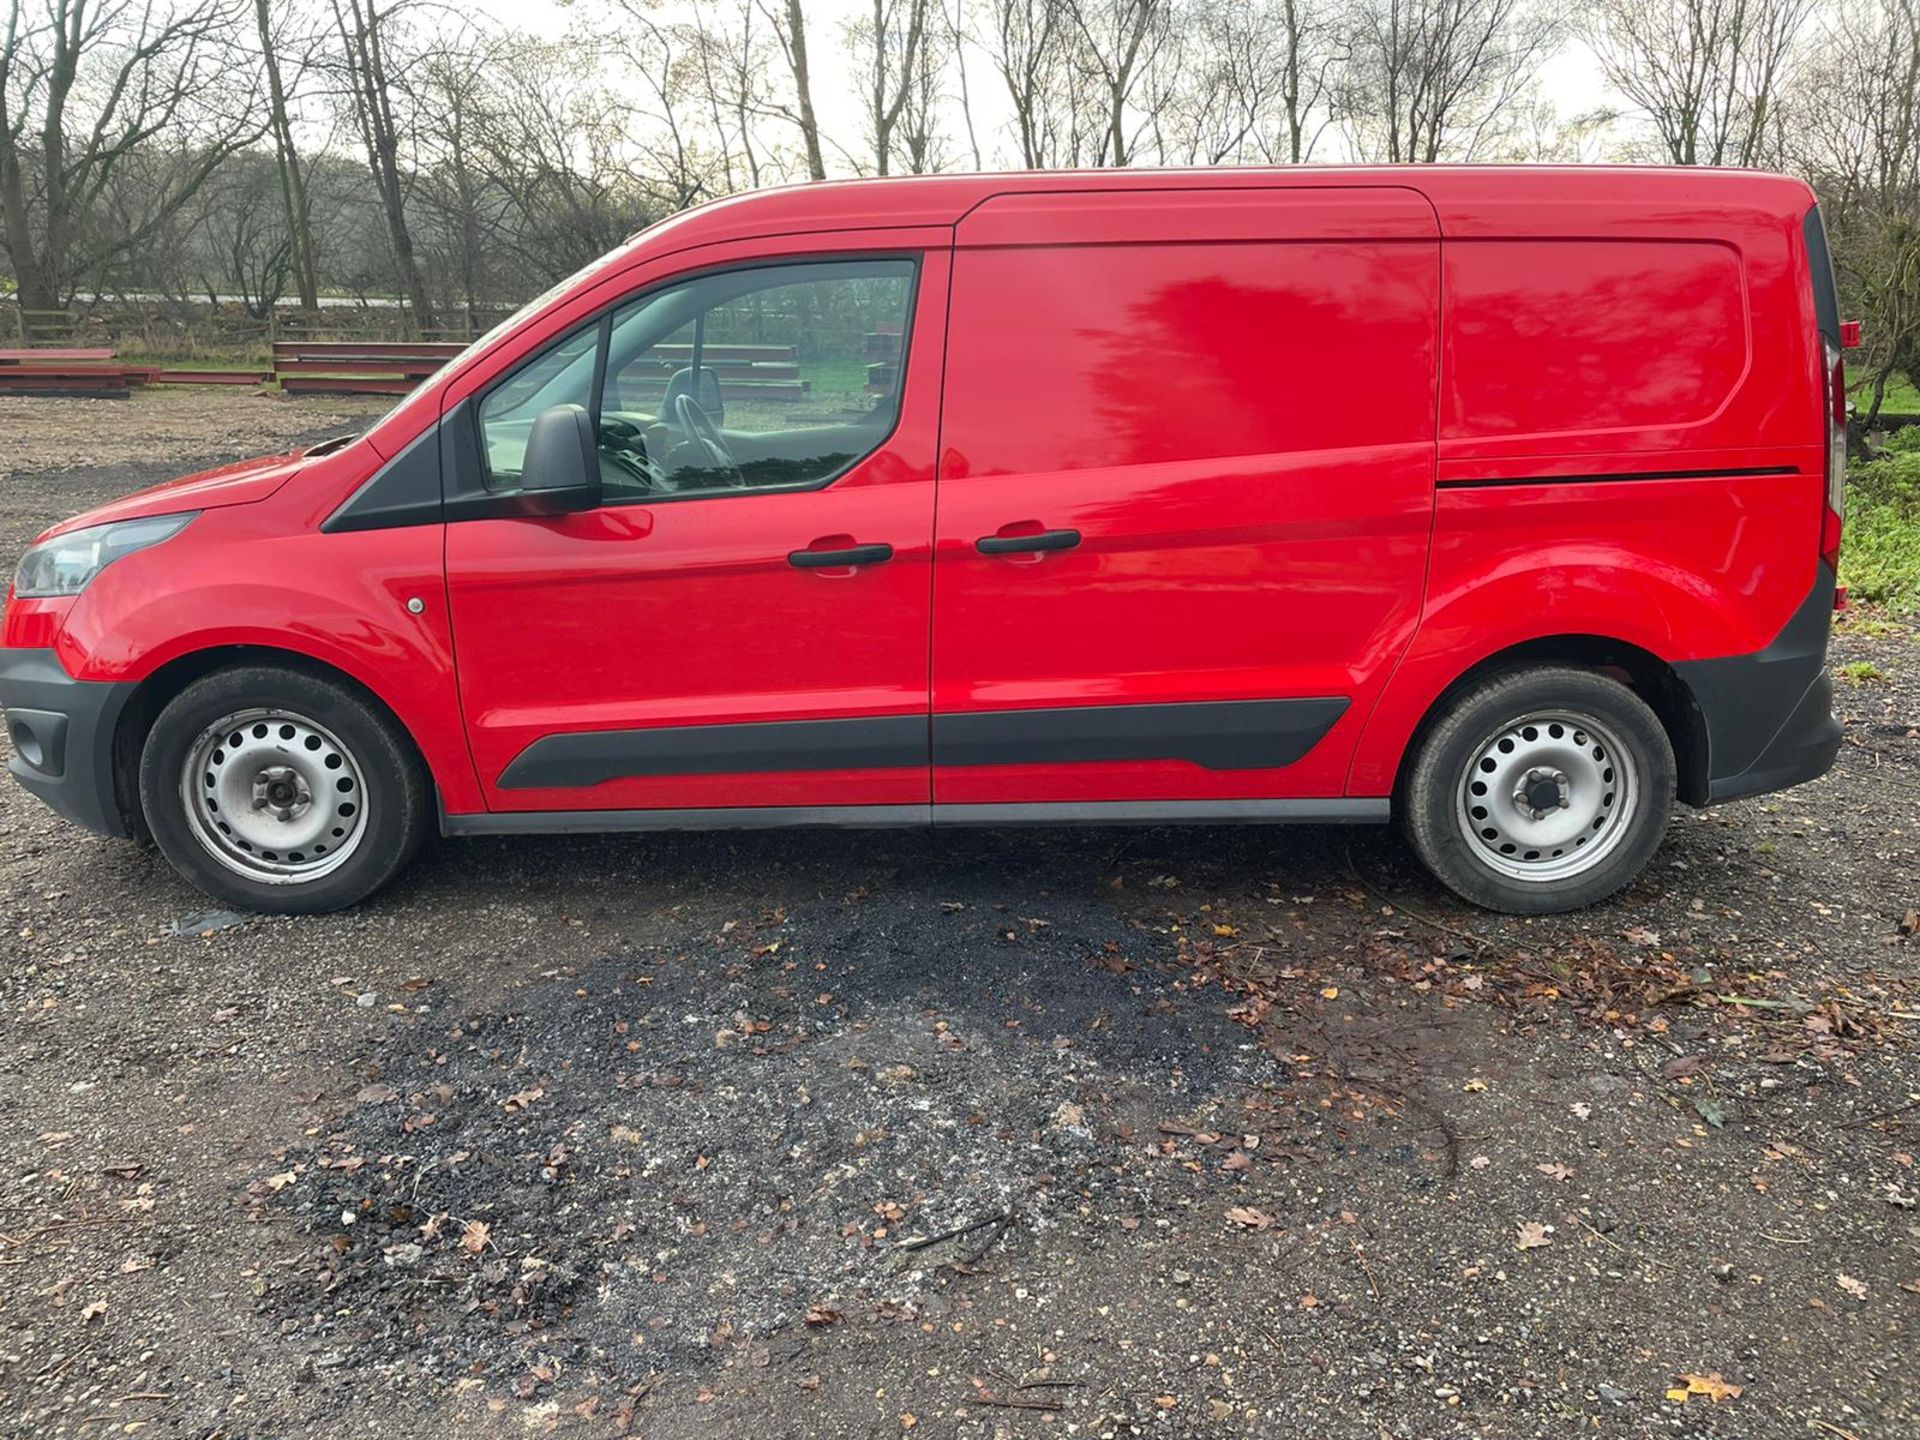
(702, 431)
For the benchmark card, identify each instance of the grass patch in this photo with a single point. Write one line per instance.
(1880, 557)
(1901, 397)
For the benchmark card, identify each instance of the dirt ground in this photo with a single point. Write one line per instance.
(1184, 1132)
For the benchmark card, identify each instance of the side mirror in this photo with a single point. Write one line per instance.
(560, 472)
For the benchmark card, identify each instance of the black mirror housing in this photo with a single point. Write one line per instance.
(560, 473)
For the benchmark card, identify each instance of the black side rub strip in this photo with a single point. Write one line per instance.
(1223, 735)
(591, 757)
(1228, 735)
(1619, 476)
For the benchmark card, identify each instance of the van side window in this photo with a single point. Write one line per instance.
(562, 375)
(769, 379)
(775, 378)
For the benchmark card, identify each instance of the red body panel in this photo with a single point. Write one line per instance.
(1316, 428)
(1254, 525)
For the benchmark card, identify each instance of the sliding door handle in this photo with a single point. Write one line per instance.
(1027, 544)
(847, 555)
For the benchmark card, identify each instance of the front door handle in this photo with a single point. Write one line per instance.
(848, 555)
(1025, 544)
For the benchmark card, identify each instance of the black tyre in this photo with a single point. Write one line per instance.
(1539, 790)
(278, 791)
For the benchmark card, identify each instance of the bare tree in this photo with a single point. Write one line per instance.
(1315, 43)
(85, 85)
(730, 67)
(365, 32)
(1117, 45)
(451, 99)
(683, 161)
(556, 148)
(248, 245)
(920, 132)
(1853, 134)
(280, 43)
(1254, 80)
(1027, 44)
(1707, 73)
(1434, 79)
(958, 41)
(790, 29)
(889, 45)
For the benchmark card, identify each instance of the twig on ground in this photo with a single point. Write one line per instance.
(1361, 1256)
(1607, 1239)
(1865, 1120)
(1480, 946)
(1003, 1220)
(1015, 1402)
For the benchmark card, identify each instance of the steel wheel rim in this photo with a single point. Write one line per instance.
(1548, 796)
(274, 796)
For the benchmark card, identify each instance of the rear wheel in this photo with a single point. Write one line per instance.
(1540, 789)
(278, 791)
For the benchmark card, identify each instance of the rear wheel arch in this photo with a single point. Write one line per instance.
(1654, 680)
(157, 689)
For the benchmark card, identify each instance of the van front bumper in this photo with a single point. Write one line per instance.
(1768, 716)
(62, 731)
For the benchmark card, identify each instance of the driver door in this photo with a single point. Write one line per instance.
(743, 622)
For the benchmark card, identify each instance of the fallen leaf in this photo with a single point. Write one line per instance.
(1712, 1386)
(520, 1100)
(1532, 1234)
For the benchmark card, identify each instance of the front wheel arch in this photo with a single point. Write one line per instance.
(151, 697)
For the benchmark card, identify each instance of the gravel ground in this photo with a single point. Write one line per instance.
(1169, 1132)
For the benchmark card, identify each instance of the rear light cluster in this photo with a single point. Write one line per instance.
(1834, 518)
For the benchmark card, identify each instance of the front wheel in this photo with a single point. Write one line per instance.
(277, 791)
(1540, 790)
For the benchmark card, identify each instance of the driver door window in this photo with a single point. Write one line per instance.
(778, 378)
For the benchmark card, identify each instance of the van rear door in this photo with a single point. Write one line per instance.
(1186, 488)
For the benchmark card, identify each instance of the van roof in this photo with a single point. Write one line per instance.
(1458, 193)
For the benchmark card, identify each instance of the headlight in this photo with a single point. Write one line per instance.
(66, 564)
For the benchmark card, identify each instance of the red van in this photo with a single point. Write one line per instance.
(1503, 502)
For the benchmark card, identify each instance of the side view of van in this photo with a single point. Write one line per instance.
(1505, 503)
